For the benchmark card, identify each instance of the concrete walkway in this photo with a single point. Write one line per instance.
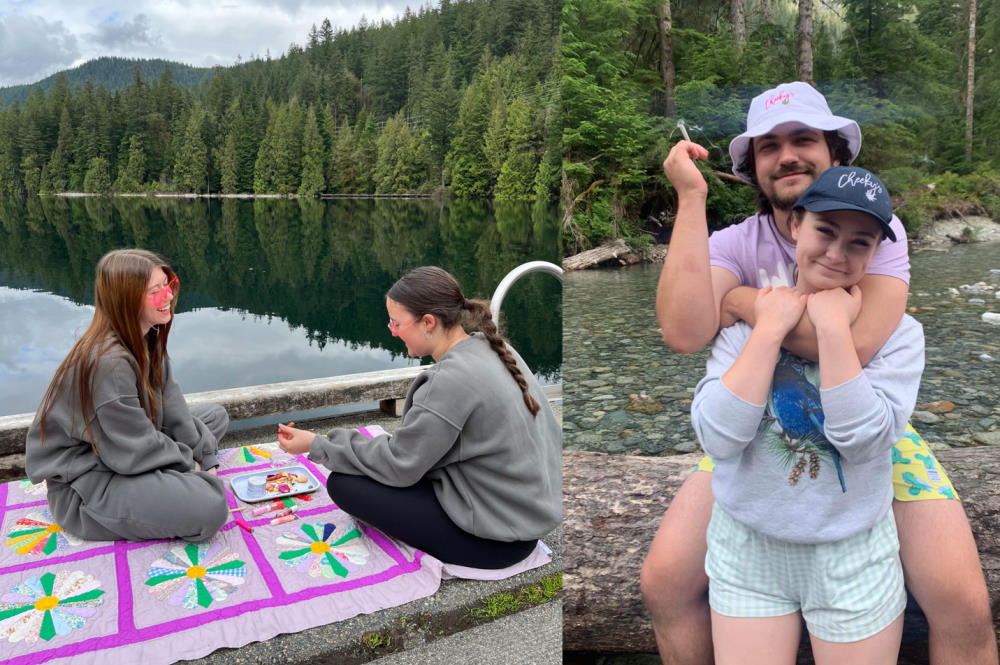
(531, 637)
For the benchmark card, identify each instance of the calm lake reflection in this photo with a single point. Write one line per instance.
(271, 290)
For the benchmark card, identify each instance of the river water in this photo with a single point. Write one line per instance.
(613, 349)
(271, 290)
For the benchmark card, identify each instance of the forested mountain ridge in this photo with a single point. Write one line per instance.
(464, 95)
(112, 73)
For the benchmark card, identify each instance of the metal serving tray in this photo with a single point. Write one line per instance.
(240, 487)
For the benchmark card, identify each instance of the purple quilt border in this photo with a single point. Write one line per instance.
(127, 634)
(161, 630)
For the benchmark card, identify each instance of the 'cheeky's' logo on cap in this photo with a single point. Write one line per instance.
(779, 97)
(868, 181)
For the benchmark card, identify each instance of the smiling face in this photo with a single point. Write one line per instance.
(833, 248)
(156, 308)
(407, 327)
(787, 160)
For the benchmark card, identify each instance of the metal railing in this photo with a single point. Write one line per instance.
(525, 268)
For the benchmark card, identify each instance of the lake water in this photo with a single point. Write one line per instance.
(614, 349)
(271, 290)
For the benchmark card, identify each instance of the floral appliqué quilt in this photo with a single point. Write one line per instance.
(67, 600)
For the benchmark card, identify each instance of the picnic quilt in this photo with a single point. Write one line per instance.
(66, 600)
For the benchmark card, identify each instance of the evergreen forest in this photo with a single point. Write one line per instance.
(921, 77)
(462, 97)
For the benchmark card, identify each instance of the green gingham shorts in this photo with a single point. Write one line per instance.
(847, 590)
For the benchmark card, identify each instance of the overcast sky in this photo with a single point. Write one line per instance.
(41, 37)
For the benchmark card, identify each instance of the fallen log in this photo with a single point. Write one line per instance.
(613, 504)
(609, 250)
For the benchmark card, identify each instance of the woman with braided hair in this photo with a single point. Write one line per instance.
(472, 476)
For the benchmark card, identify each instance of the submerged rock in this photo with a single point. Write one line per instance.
(643, 403)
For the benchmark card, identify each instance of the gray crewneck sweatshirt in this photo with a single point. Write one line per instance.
(755, 478)
(496, 470)
(127, 442)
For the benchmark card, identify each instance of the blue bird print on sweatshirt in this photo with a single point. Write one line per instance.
(794, 402)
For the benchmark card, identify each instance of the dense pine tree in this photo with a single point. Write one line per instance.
(312, 121)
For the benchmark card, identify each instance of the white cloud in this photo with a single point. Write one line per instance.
(188, 31)
(30, 45)
(112, 35)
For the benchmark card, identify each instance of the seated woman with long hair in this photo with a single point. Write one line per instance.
(122, 455)
(472, 476)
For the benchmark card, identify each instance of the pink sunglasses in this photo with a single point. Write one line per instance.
(164, 295)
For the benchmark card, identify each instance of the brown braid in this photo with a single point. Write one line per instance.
(481, 319)
(431, 290)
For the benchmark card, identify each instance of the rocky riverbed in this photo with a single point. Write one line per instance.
(625, 392)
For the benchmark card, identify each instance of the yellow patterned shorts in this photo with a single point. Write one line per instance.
(916, 473)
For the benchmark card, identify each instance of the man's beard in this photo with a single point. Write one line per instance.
(786, 201)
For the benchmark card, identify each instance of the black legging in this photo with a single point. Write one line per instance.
(413, 515)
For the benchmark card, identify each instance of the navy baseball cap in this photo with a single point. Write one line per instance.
(850, 188)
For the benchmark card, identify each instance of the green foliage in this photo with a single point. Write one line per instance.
(247, 127)
(594, 224)
(507, 603)
(517, 173)
(229, 167)
(313, 155)
(191, 165)
(950, 195)
(467, 162)
(889, 64)
(98, 177)
(376, 640)
(130, 176)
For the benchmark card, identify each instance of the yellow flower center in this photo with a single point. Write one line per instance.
(53, 528)
(46, 603)
(196, 571)
(319, 548)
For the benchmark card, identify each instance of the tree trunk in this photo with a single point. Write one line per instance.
(609, 250)
(739, 21)
(613, 504)
(665, 22)
(765, 11)
(806, 41)
(971, 81)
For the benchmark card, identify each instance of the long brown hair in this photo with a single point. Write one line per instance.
(431, 290)
(119, 294)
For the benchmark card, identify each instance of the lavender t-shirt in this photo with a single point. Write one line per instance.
(759, 256)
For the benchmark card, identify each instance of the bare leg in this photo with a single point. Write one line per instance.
(753, 640)
(881, 648)
(673, 580)
(942, 570)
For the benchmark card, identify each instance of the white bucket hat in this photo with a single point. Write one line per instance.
(790, 102)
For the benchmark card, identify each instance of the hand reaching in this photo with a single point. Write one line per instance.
(294, 441)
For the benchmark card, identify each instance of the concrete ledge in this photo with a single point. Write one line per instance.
(265, 400)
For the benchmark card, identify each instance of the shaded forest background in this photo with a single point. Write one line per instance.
(633, 68)
(463, 97)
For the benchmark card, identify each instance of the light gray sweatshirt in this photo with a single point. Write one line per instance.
(127, 441)
(755, 460)
(496, 470)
